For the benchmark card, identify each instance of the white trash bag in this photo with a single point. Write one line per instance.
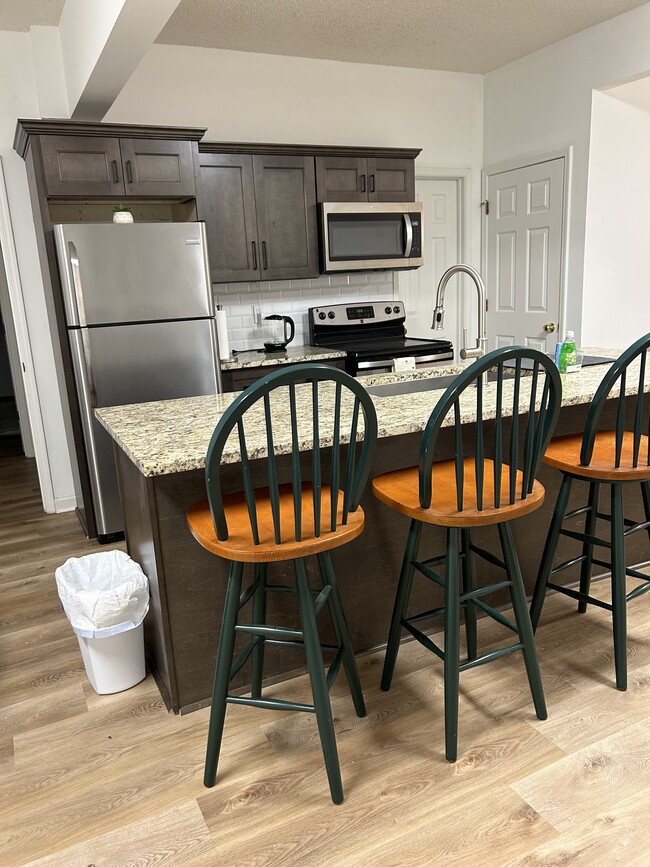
(103, 594)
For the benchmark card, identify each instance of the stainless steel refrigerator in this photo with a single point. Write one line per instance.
(139, 315)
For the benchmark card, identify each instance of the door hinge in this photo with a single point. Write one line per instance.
(486, 205)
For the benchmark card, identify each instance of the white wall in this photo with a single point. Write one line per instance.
(84, 30)
(241, 96)
(542, 103)
(19, 98)
(617, 225)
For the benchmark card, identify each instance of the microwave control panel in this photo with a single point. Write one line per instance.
(416, 224)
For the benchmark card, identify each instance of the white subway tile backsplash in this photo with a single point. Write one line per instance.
(358, 279)
(294, 298)
(238, 309)
(302, 285)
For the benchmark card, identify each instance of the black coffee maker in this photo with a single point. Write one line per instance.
(278, 331)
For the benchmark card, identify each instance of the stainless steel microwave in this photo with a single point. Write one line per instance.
(359, 236)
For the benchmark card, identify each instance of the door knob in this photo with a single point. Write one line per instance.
(549, 327)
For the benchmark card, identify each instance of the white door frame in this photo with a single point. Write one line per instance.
(521, 163)
(19, 315)
(463, 185)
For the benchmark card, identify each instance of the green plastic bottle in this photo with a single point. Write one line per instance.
(568, 353)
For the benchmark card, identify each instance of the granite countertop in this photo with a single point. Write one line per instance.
(291, 355)
(172, 436)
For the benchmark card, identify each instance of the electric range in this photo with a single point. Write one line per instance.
(373, 335)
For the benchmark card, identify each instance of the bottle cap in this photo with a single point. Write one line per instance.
(570, 335)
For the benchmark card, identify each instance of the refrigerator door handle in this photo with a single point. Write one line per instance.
(87, 395)
(76, 295)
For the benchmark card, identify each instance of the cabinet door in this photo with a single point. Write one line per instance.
(226, 202)
(157, 167)
(238, 380)
(391, 180)
(82, 165)
(342, 179)
(285, 199)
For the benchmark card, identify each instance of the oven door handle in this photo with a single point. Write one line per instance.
(371, 365)
(419, 359)
(408, 225)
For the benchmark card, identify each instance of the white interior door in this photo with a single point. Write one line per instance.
(440, 249)
(523, 254)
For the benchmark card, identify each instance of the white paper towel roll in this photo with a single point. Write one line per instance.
(222, 333)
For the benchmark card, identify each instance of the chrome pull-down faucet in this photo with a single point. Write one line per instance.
(439, 310)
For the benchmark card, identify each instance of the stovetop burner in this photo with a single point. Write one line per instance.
(370, 332)
(391, 347)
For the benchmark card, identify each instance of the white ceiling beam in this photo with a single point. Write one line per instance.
(48, 71)
(102, 44)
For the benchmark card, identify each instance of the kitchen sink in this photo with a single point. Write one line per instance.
(435, 383)
(387, 389)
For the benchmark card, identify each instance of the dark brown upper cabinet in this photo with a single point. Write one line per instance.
(260, 216)
(360, 179)
(91, 166)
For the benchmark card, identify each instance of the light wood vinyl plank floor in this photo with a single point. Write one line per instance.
(117, 780)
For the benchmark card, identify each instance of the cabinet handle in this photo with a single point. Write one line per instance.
(129, 172)
(265, 263)
(372, 183)
(116, 174)
(363, 183)
(253, 244)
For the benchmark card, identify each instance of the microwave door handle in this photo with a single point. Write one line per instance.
(409, 236)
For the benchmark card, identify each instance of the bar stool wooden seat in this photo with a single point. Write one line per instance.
(611, 458)
(480, 486)
(289, 521)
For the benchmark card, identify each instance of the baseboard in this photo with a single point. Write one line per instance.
(64, 504)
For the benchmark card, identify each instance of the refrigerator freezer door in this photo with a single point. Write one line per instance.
(134, 364)
(133, 273)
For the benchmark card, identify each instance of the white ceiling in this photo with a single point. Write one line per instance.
(455, 35)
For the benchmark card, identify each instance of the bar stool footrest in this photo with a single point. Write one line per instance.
(490, 657)
(271, 703)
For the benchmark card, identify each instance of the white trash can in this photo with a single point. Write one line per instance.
(114, 663)
(106, 597)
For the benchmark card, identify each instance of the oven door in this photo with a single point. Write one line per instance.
(371, 236)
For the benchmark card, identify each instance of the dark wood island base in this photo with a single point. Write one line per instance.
(187, 584)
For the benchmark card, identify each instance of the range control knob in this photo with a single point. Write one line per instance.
(387, 310)
(321, 315)
(396, 309)
(331, 314)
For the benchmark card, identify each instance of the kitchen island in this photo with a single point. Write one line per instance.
(160, 449)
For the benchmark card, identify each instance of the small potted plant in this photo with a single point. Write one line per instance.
(122, 214)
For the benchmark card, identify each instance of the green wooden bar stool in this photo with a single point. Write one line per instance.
(283, 522)
(474, 489)
(611, 458)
